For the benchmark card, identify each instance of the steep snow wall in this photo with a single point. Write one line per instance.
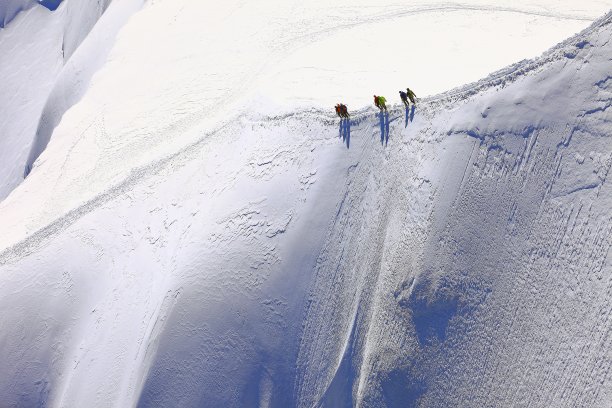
(73, 81)
(42, 59)
(455, 255)
(483, 277)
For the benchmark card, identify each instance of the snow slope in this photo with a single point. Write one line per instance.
(48, 78)
(484, 277)
(452, 256)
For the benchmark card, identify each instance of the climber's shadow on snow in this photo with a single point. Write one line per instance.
(384, 127)
(345, 131)
(409, 115)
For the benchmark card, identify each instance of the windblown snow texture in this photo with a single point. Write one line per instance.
(486, 282)
(454, 255)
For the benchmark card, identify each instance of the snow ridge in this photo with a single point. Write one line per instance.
(429, 106)
(511, 73)
(474, 289)
(456, 254)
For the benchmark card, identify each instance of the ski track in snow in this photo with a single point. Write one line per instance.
(403, 11)
(428, 106)
(291, 43)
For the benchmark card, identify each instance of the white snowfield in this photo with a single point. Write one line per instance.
(201, 231)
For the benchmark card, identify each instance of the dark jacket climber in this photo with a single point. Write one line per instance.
(344, 111)
(404, 98)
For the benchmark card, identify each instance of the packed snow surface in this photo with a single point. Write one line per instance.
(197, 228)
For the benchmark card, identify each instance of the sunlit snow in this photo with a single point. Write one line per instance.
(184, 222)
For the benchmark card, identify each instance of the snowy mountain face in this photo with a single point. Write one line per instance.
(187, 237)
(41, 76)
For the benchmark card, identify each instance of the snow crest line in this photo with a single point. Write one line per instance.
(501, 77)
(511, 72)
(442, 7)
(436, 102)
(516, 10)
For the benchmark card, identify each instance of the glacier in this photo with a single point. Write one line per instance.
(215, 242)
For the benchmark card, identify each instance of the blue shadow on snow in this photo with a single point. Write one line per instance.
(400, 389)
(384, 127)
(50, 4)
(431, 311)
(345, 131)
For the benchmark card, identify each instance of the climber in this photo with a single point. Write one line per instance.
(404, 98)
(344, 111)
(411, 95)
(376, 103)
(382, 103)
(338, 111)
